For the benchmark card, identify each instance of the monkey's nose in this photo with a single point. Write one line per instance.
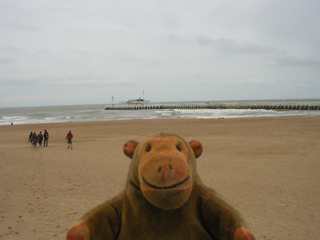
(165, 172)
(164, 168)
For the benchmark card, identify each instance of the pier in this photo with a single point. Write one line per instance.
(216, 105)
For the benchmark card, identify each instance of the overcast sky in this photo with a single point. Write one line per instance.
(63, 52)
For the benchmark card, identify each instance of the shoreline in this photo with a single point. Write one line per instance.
(63, 114)
(164, 119)
(267, 167)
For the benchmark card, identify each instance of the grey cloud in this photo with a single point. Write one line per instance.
(153, 62)
(12, 50)
(247, 47)
(231, 45)
(296, 62)
(25, 27)
(43, 51)
(20, 82)
(203, 39)
(128, 58)
(175, 38)
(7, 61)
(255, 82)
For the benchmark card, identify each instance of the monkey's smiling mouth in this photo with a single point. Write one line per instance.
(166, 187)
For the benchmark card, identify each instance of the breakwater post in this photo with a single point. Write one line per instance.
(217, 105)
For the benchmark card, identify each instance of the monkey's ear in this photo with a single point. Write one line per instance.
(196, 147)
(129, 147)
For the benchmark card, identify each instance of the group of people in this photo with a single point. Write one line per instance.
(35, 139)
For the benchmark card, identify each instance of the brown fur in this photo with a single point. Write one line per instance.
(164, 198)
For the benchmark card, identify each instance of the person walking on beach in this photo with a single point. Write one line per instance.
(69, 137)
(40, 138)
(34, 140)
(30, 138)
(46, 138)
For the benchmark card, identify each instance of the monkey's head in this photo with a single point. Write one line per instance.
(164, 168)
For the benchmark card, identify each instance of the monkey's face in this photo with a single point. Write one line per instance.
(164, 169)
(164, 172)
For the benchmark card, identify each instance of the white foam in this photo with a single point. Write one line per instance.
(97, 113)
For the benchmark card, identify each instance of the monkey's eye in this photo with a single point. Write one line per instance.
(179, 148)
(148, 148)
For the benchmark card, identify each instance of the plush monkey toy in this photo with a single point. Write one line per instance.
(164, 198)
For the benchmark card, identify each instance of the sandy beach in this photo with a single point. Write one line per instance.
(268, 168)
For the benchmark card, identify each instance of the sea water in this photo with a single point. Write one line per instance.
(81, 113)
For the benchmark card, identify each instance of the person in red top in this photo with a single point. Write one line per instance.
(69, 137)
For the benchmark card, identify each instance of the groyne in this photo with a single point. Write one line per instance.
(217, 105)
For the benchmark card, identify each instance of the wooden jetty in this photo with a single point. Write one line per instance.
(216, 105)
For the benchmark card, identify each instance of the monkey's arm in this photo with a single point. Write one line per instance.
(101, 223)
(222, 220)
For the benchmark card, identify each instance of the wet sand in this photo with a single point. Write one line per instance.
(268, 168)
